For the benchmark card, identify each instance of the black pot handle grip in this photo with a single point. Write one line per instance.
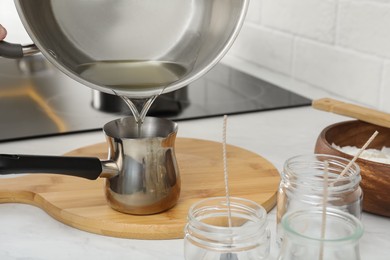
(85, 167)
(17, 51)
(11, 50)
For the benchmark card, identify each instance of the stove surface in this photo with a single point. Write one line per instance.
(36, 100)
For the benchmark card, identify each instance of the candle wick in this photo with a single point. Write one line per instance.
(225, 170)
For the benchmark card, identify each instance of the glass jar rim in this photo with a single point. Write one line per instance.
(248, 206)
(352, 175)
(209, 228)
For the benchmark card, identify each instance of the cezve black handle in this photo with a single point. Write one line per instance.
(85, 167)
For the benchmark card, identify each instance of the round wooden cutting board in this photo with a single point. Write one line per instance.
(81, 203)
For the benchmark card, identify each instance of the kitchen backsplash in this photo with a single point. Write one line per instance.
(341, 46)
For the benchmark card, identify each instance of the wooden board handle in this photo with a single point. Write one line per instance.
(362, 113)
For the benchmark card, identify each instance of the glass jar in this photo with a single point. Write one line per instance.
(304, 238)
(302, 186)
(210, 235)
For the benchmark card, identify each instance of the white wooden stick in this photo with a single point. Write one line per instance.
(324, 204)
(358, 154)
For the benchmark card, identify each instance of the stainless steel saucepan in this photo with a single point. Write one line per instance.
(130, 48)
(142, 176)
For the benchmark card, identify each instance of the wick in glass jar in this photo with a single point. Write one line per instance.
(302, 186)
(208, 235)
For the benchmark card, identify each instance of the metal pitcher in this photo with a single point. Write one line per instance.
(142, 175)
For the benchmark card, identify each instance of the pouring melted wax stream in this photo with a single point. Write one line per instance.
(137, 77)
(139, 107)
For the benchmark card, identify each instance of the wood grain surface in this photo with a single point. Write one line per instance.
(354, 111)
(81, 203)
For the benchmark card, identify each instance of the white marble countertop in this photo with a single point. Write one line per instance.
(27, 232)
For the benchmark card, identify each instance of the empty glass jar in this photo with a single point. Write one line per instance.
(210, 235)
(304, 238)
(302, 186)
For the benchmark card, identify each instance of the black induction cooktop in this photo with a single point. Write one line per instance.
(36, 100)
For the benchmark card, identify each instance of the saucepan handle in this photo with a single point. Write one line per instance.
(16, 51)
(85, 167)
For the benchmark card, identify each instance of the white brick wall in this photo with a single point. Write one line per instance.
(385, 88)
(342, 46)
(308, 18)
(338, 70)
(364, 26)
(268, 48)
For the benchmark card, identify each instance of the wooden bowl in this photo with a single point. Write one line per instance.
(375, 176)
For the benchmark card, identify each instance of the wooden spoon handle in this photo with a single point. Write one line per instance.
(362, 113)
